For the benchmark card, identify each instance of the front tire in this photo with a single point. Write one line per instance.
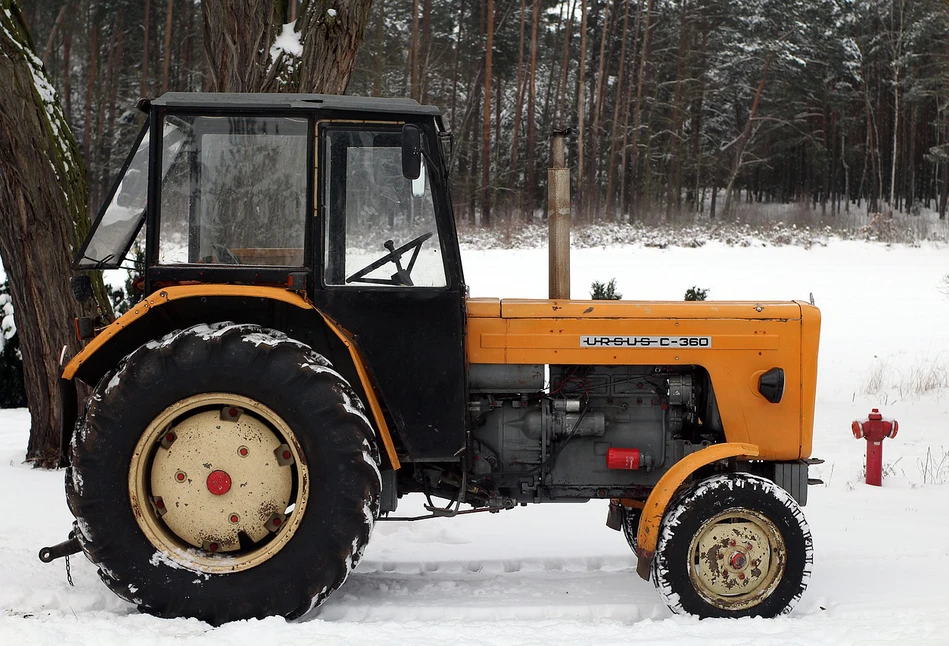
(733, 545)
(224, 472)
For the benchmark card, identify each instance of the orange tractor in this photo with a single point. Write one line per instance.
(305, 354)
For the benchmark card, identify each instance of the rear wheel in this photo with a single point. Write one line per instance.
(733, 545)
(224, 472)
(631, 518)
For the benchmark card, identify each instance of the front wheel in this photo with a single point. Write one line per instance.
(733, 545)
(224, 472)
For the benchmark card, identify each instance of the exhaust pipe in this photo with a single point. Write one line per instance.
(558, 219)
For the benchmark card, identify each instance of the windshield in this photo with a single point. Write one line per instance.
(120, 219)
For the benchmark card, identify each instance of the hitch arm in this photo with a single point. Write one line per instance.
(67, 548)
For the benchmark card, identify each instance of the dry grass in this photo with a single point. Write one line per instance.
(926, 375)
(935, 466)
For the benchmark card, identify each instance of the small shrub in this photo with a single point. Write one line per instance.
(12, 389)
(696, 293)
(605, 291)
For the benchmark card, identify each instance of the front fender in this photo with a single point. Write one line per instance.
(666, 488)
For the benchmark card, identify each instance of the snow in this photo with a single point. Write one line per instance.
(555, 574)
(288, 41)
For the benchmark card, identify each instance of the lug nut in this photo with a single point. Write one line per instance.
(243, 451)
(213, 547)
(235, 518)
(741, 576)
(731, 543)
(286, 455)
(181, 476)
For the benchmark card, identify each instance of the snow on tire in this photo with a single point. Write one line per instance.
(224, 472)
(733, 545)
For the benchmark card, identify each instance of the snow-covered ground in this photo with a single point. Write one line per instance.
(555, 574)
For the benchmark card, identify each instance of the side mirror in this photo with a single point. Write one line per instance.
(411, 151)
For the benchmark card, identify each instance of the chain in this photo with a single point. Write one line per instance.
(69, 572)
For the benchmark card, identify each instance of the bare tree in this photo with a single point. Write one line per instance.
(45, 212)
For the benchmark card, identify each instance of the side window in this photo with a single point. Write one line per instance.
(380, 227)
(234, 191)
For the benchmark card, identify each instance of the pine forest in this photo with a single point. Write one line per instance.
(676, 109)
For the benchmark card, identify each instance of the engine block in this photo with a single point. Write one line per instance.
(595, 431)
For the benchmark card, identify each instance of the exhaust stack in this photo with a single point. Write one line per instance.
(558, 218)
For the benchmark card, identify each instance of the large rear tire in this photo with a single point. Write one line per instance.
(733, 545)
(224, 472)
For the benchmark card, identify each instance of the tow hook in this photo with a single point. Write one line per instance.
(66, 548)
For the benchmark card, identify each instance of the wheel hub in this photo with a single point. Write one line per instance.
(234, 468)
(738, 559)
(219, 483)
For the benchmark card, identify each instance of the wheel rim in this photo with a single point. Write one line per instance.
(218, 483)
(737, 559)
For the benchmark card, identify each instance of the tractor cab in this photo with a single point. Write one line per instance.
(341, 199)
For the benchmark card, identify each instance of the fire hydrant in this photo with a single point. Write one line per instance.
(875, 429)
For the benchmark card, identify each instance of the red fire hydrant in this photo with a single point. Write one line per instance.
(875, 429)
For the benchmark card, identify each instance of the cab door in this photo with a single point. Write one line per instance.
(391, 276)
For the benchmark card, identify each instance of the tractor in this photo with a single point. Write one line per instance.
(305, 353)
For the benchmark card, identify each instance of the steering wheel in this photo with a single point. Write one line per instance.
(225, 255)
(402, 276)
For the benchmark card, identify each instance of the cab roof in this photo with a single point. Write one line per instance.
(308, 102)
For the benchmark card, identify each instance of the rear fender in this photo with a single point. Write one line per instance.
(174, 308)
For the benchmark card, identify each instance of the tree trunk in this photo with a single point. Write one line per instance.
(67, 50)
(531, 116)
(596, 104)
(43, 190)
(90, 85)
(581, 116)
(330, 44)
(380, 51)
(617, 106)
(486, 131)
(169, 14)
(426, 49)
(112, 88)
(146, 30)
(238, 35)
(413, 53)
(237, 39)
(745, 137)
(519, 95)
(637, 111)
